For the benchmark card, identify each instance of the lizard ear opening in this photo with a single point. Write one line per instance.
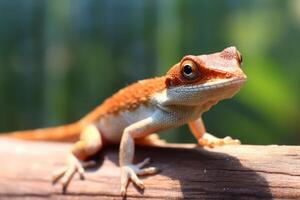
(172, 81)
(169, 82)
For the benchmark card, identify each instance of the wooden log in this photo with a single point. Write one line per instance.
(229, 172)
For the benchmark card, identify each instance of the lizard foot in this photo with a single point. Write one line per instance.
(65, 174)
(130, 172)
(212, 141)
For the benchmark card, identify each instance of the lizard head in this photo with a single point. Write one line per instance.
(211, 77)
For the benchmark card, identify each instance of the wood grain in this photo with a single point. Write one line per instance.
(230, 172)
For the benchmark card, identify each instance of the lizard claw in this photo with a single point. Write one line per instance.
(131, 172)
(65, 174)
(212, 141)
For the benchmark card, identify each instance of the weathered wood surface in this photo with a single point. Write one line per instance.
(231, 172)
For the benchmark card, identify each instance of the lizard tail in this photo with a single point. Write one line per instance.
(66, 133)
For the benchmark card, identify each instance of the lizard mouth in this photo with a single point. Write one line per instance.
(213, 85)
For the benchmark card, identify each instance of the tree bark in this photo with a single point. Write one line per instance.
(190, 172)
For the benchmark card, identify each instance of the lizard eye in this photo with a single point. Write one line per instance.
(189, 70)
(240, 58)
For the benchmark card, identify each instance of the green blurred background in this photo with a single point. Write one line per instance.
(61, 58)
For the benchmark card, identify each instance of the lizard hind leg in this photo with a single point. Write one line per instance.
(89, 144)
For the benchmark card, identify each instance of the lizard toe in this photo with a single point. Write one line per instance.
(148, 171)
(215, 142)
(131, 172)
(65, 174)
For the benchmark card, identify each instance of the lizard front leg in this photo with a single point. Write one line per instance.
(129, 171)
(206, 139)
(89, 144)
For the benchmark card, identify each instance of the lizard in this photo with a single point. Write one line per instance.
(137, 112)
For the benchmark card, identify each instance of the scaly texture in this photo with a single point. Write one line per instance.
(189, 89)
(128, 98)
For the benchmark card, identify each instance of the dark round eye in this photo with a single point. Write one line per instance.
(189, 70)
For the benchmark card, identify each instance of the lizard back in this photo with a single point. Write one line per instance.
(128, 98)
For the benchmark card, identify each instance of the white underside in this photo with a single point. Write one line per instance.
(112, 126)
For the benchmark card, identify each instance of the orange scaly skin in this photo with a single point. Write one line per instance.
(134, 113)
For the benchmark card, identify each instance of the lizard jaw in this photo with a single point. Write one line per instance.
(210, 86)
(193, 95)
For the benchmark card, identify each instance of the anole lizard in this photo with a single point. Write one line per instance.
(180, 97)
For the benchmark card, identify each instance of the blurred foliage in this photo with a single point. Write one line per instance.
(60, 59)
